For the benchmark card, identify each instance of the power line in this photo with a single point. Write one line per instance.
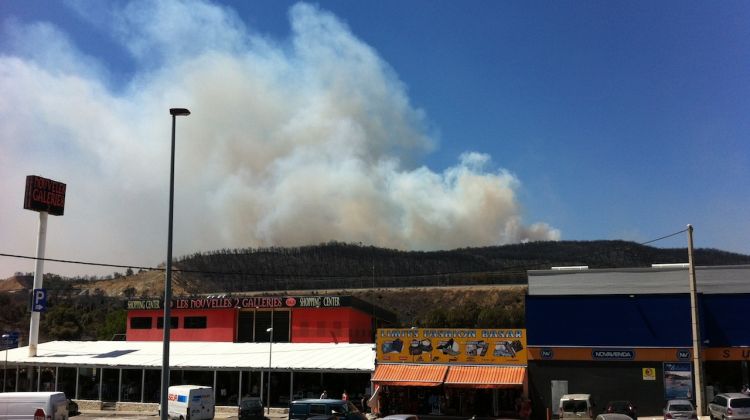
(664, 237)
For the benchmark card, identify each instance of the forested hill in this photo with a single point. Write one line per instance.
(339, 265)
(88, 308)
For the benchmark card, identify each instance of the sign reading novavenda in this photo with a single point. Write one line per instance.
(44, 194)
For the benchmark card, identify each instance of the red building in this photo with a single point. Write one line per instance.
(295, 319)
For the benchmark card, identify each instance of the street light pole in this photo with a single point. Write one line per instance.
(175, 112)
(270, 347)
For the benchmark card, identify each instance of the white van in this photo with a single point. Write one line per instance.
(23, 405)
(190, 402)
(576, 406)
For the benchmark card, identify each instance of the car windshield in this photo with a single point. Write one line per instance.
(575, 406)
(680, 407)
(740, 403)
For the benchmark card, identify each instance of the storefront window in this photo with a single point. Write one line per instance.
(192, 377)
(227, 387)
(110, 379)
(88, 383)
(131, 385)
(308, 385)
(47, 379)
(66, 382)
(9, 379)
(153, 386)
(251, 384)
(27, 379)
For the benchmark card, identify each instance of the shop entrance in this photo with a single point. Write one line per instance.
(450, 401)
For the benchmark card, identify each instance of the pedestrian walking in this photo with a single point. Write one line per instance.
(324, 395)
(345, 396)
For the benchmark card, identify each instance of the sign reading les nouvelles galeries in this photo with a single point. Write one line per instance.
(45, 195)
(256, 302)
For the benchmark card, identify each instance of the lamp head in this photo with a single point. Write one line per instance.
(269, 329)
(175, 112)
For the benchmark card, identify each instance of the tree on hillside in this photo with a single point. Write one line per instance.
(114, 324)
(61, 322)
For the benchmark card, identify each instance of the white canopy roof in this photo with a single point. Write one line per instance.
(342, 357)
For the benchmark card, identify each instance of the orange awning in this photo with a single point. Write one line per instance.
(410, 375)
(485, 376)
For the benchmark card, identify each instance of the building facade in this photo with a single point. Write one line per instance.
(297, 345)
(626, 334)
(293, 319)
(455, 372)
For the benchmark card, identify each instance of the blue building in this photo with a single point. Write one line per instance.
(626, 334)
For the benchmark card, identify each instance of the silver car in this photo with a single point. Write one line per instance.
(679, 409)
(729, 406)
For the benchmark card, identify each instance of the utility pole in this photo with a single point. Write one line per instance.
(697, 354)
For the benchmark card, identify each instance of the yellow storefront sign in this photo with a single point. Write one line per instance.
(446, 345)
(649, 374)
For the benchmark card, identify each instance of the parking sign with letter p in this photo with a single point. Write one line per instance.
(39, 303)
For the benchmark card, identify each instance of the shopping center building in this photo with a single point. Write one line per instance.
(626, 334)
(231, 343)
(455, 372)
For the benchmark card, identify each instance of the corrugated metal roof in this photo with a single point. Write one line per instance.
(653, 280)
(344, 357)
(485, 376)
(410, 375)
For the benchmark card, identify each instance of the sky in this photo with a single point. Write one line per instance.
(420, 125)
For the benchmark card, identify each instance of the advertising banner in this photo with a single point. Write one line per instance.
(678, 381)
(446, 345)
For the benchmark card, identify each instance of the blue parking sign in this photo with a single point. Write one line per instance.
(40, 300)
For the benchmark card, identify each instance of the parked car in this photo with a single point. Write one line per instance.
(250, 408)
(576, 406)
(317, 409)
(612, 416)
(729, 406)
(401, 417)
(72, 408)
(622, 407)
(679, 409)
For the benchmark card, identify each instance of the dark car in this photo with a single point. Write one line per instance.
(251, 409)
(72, 408)
(326, 409)
(622, 407)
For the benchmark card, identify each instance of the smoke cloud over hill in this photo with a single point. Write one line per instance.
(291, 141)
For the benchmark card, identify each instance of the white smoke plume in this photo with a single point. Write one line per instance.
(291, 142)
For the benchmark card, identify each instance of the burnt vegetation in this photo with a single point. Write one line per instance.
(462, 288)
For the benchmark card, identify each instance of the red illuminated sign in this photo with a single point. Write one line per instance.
(44, 194)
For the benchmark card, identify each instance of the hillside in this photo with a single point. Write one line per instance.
(484, 286)
(347, 266)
